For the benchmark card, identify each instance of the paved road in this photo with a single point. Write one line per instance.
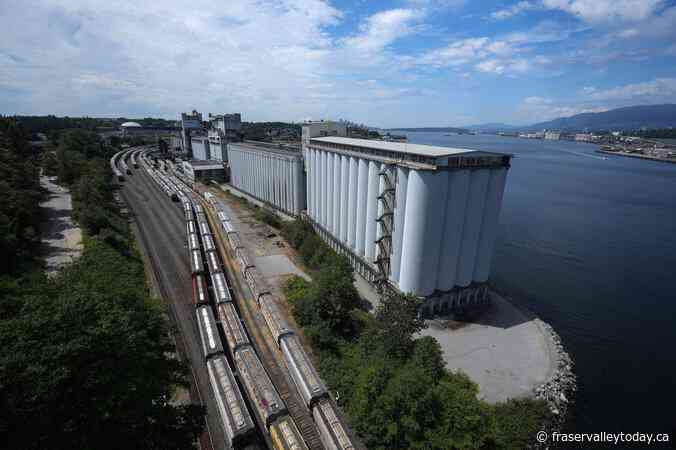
(61, 237)
(162, 234)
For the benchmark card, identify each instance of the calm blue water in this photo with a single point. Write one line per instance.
(589, 244)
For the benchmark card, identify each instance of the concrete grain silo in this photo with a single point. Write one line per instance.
(421, 219)
(269, 173)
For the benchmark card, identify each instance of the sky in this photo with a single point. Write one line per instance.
(383, 63)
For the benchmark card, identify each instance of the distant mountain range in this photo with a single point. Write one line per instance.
(491, 127)
(435, 129)
(621, 119)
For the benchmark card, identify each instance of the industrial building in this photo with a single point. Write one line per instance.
(319, 128)
(416, 218)
(217, 146)
(201, 148)
(204, 171)
(272, 173)
(228, 126)
(223, 128)
(190, 123)
(129, 129)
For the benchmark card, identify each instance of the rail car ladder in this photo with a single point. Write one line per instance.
(386, 203)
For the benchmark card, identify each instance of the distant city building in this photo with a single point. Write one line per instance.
(552, 135)
(583, 137)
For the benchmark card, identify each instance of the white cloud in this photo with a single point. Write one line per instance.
(266, 58)
(537, 101)
(458, 53)
(383, 28)
(499, 67)
(661, 26)
(514, 10)
(539, 109)
(595, 11)
(662, 89)
(508, 54)
(543, 32)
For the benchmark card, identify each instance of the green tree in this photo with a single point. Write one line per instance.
(331, 299)
(85, 364)
(20, 200)
(396, 323)
(518, 420)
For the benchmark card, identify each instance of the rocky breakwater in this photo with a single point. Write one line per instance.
(559, 390)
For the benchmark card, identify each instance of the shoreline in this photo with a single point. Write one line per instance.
(560, 388)
(637, 156)
(559, 391)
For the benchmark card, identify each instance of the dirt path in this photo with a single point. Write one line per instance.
(61, 237)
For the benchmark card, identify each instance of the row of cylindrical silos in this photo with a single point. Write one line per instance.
(445, 221)
(343, 196)
(445, 226)
(275, 177)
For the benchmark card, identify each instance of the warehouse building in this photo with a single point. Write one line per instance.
(416, 218)
(271, 173)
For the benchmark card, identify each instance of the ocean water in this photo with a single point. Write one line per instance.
(588, 243)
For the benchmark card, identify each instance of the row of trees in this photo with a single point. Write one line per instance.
(659, 133)
(20, 195)
(258, 131)
(392, 383)
(85, 357)
(52, 124)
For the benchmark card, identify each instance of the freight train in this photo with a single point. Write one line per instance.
(237, 423)
(209, 279)
(267, 402)
(310, 386)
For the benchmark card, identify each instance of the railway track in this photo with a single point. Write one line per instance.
(144, 199)
(267, 352)
(266, 348)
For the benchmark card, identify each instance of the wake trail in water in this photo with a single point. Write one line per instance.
(585, 154)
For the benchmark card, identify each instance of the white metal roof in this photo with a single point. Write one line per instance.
(131, 125)
(400, 147)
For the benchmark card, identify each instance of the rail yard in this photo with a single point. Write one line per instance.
(249, 369)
